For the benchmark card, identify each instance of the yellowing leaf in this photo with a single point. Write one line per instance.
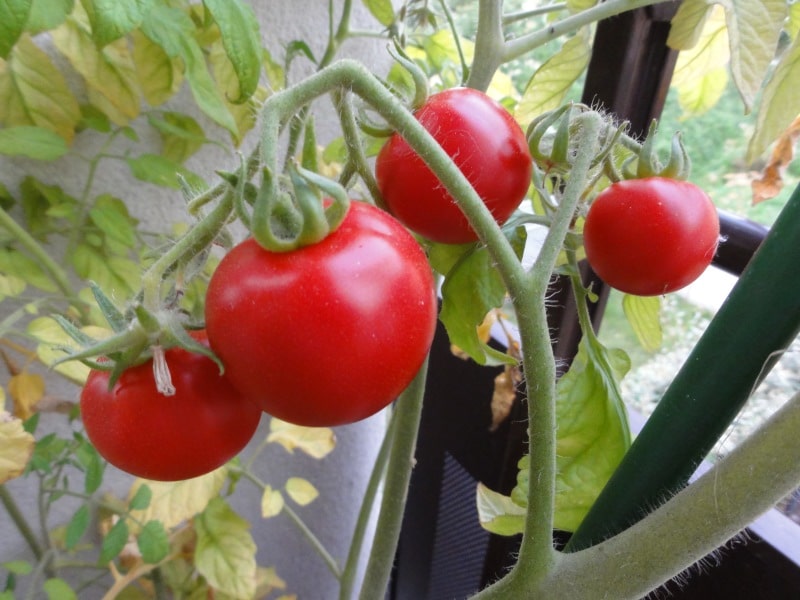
(551, 82)
(34, 92)
(780, 103)
(225, 551)
(16, 447)
(317, 442)
(159, 76)
(643, 315)
(792, 26)
(754, 27)
(267, 581)
(498, 513)
(301, 490)
(26, 389)
(688, 23)
(52, 341)
(700, 75)
(109, 73)
(31, 141)
(271, 502)
(174, 502)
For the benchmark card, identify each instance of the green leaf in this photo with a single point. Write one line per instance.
(111, 216)
(34, 92)
(181, 135)
(242, 41)
(780, 103)
(109, 272)
(792, 26)
(382, 10)
(551, 82)
(592, 431)
(16, 264)
(153, 542)
(159, 170)
(111, 19)
(754, 28)
(109, 72)
(114, 541)
(173, 30)
(225, 551)
(160, 76)
(498, 513)
(58, 589)
(48, 14)
(13, 17)
(94, 473)
(643, 314)
(141, 498)
(472, 287)
(77, 526)
(33, 142)
(18, 567)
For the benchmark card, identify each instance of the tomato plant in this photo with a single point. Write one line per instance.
(329, 333)
(205, 423)
(483, 140)
(651, 236)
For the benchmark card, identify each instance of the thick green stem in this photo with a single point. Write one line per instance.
(58, 275)
(746, 483)
(489, 46)
(19, 520)
(349, 573)
(408, 413)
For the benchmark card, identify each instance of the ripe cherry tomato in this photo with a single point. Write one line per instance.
(485, 143)
(651, 236)
(168, 438)
(332, 332)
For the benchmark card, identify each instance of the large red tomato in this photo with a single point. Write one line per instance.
(651, 236)
(332, 332)
(483, 140)
(168, 438)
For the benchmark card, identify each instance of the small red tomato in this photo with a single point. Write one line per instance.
(329, 333)
(168, 438)
(483, 140)
(651, 236)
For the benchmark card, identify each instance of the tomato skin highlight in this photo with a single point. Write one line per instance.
(485, 143)
(651, 236)
(168, 438)
(330, 333)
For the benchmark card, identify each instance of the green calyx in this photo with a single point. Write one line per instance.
(678, 164)
(290, 213)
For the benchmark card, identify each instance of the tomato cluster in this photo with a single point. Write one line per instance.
(323, 335)
(651, 236)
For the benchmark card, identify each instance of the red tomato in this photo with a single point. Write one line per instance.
(483, 140)
(168, 438)
(332, 332)
(651, 236)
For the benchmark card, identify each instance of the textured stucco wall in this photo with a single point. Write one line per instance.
(341, 477)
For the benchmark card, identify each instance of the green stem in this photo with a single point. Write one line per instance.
(19, 520)
(603, 10)
(373, 486)
(408, 413)
(533, 12)
(489, 45)
(58, 275)
(537, 556)
(738, 489)
(456, 39)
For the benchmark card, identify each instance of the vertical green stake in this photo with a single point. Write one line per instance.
(759, 319)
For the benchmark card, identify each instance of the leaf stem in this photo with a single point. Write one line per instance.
(19, 520)
(408, 412)
(312, 539)
(533, 12)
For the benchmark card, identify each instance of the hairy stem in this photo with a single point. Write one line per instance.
(489, 45)
(408, 413)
